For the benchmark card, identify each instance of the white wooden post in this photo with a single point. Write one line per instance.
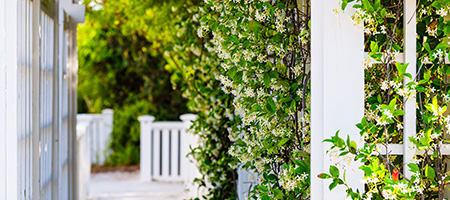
(156, 153)
(3, 90)
(12, 97)
(174, 154)
(35, 40)
(146, 145)
(245, 183)
(337, 89)
(165, 154)
(107, 126)
(410, 23)
(189, 140)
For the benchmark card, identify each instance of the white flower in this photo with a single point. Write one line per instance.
(442, 12)
(383, 29)
(201, 31)
(446, 97)
(384, 85)
(388, 194)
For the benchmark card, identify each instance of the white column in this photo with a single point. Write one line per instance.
(146, 128)
(337, 89)
(410, 23)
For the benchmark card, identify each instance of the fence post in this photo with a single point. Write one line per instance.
(146, 128)
(189, 169)
(107, 126)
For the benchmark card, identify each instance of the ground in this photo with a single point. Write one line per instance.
(122, 185)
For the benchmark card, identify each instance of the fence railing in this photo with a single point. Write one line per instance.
(83, 162)
(93, 135)
(99, 134)
(164, 149)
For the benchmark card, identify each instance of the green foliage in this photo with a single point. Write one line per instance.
(126, 133)
(260, 52)
(388, 87)
(195, 71)
(121, 48)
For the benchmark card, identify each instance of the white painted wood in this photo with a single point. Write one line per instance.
(245, 183)
(184, 150)
(409, 128)
(165, 154)
(108, 120)
(337, 89)
(156, 153)
(189, 168)
(75, 11)
(3, 74)
(11, 66)
(168, 124)
(146, 145)
(398, 149)
(174, 153)
(169, 161)
(35, 184)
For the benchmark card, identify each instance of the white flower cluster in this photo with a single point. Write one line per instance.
(343, 162)
(388, 194)
(289, 182)
(439, 54)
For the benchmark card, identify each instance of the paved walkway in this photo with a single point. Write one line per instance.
(127, 186)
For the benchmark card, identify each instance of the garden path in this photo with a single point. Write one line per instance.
(127, 186)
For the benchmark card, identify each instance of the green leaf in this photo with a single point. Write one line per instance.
(344, 4)
(429, 172)
(333, 184)
(401, 68)
(334, 171)
(324, 176)
(427, 47)
(368, 6)
(283, 141)
(383, 12)
(270, 106)
(234, 39)
(262, 188)
(266, 78)
(398, 112)
(374, 46)
(413, 167)
(435, 103)
(285, 99)
(389, 181)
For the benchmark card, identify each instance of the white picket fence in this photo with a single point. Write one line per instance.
(99, 134)
(164, 149)
(93, 137)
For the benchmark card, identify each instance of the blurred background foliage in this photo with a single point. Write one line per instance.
(121, 66)
(132, 53)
